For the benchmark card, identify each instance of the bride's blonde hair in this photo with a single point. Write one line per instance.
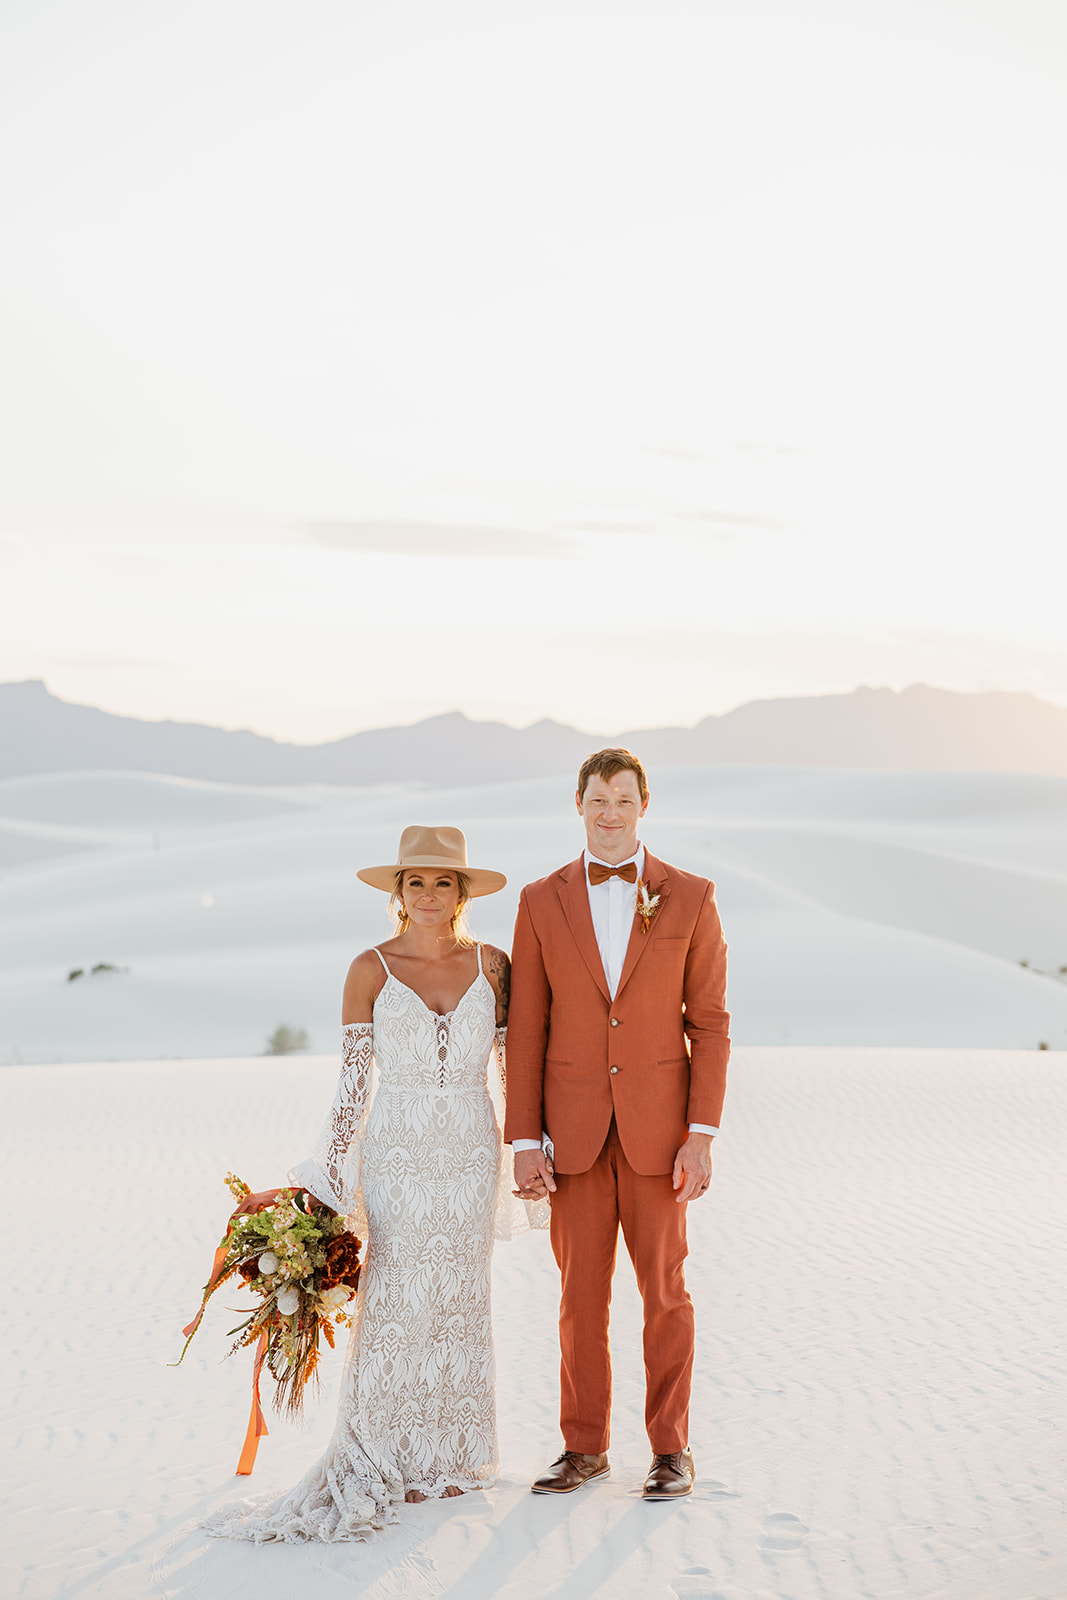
(460, 931)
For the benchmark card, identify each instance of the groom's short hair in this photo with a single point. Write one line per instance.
(606, 763)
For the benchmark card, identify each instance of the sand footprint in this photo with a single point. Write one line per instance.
(694, 1583)
(782, 1531)
(712, 1489)
(698, 1583)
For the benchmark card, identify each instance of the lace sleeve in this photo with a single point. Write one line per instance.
(332, 1171)
(513, 1216)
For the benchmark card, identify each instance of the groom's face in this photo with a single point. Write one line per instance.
(611, 809)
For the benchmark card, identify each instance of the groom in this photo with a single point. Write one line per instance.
(617, 1047)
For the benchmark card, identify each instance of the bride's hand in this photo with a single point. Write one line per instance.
(256, 1202)
(267, 1197)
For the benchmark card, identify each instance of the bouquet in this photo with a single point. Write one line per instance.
(299, 1258)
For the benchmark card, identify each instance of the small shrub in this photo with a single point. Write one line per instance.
(286, 1041)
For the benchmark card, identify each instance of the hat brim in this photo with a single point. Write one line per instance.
(481, 880)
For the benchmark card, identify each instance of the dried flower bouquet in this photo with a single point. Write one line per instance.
(298, 1256)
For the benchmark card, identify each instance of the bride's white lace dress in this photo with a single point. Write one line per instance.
(417, 1168)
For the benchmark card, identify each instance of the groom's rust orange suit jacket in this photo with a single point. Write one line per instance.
(666, 1033)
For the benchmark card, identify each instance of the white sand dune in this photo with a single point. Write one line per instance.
(21, 844)
(129, 801)
(875, 1410)
(861, 907)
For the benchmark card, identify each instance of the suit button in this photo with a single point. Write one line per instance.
(613, 1069)
(614, 1022)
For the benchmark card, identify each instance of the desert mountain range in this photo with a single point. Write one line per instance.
(916, 728)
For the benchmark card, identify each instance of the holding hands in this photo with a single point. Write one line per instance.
(533, 1175)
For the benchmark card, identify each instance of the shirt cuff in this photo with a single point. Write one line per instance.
(702, 1127)
(525, 1144)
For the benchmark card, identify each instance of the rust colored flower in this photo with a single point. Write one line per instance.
(342, 1262)
(342, 1256)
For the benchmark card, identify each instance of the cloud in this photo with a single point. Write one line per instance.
(116, 663)
(607, 525)
(452, 541)
(731, 519)
(714, 457)
(680, 453)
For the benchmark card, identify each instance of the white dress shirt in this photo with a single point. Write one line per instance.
(612, 905)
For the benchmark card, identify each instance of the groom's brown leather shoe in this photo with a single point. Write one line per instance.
(569, 1472)
(669, 1477)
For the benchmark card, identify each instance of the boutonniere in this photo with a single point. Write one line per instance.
(647, 905)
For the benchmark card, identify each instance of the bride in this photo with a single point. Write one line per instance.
(417, 1168)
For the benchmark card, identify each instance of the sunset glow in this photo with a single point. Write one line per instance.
(618, 364)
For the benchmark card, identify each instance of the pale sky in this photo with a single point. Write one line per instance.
(617, 362)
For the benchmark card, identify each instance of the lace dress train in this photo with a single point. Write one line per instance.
(417, 1168)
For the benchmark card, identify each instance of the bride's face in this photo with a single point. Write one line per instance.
(430, 898)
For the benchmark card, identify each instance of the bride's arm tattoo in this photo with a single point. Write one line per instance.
(500, 976)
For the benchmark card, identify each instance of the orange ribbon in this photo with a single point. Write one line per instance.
(257, 1422)
(220, 1257)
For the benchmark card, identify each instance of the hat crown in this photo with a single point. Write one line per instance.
(432, 847)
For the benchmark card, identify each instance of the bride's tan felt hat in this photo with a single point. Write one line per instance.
(445, 848)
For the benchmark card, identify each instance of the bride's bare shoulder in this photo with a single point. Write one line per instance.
(369, 962)
(365, 981)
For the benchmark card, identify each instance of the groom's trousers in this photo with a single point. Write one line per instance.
(587, 1211)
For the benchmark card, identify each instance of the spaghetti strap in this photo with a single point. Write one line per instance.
(480, 972)
(382, 959)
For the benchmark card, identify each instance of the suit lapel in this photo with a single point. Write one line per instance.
(655, 881)
(574, 898)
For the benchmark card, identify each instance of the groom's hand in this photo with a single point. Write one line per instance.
(533, 1175)
(692, 1168)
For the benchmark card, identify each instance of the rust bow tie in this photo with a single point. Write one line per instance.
(599, 874)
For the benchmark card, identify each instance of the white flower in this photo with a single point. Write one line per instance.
(331, 1300)
(268, 1263)
(289, 1301)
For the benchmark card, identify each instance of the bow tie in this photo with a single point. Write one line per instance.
(599, 874)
